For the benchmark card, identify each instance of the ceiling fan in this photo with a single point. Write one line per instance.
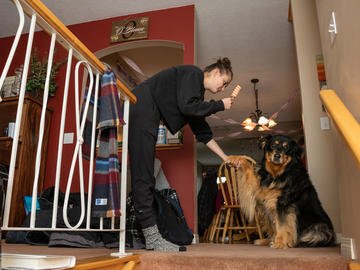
(257, 119)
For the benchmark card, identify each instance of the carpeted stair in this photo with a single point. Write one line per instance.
(244, 257)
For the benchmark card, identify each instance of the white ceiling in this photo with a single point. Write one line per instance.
(254, 34)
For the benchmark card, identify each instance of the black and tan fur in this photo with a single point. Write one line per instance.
(286, 201)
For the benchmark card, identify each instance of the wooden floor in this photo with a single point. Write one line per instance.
(79, 253)
(86, 258)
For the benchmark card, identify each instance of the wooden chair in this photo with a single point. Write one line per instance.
(229, 218)
(210, 229)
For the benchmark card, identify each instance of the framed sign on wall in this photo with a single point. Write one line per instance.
(132, 29)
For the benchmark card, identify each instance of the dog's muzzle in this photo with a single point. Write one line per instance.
(276, 158)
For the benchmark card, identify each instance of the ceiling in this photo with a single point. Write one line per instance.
(254, 34)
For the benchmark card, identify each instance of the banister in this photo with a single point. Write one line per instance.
(345, 122)
(59, 33)
(69, 37)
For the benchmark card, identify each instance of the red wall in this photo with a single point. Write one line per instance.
(175, 24)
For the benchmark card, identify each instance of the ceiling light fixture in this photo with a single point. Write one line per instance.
(257, 119)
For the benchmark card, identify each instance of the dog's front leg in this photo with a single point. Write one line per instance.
(267, 226)
(286, 231)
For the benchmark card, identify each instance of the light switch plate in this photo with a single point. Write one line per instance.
(325, 123)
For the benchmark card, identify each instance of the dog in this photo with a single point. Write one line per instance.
(282, 195)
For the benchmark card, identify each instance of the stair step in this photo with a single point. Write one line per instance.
(108, 262)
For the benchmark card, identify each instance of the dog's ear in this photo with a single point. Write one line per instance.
(263, 140)
(296, 150)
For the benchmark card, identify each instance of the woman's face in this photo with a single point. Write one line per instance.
(216, 82)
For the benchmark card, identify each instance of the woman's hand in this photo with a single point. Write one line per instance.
(227, 103)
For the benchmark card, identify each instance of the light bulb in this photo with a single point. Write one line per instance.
(249, 128)
(247, 121)
(272, 123)
(263, 120)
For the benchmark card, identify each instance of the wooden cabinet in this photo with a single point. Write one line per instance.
(173, 146)
(26, 155)
(168, 146)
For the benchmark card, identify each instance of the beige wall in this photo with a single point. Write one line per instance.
(319, 143)
(342, 66)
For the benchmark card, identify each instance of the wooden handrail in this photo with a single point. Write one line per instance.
(345, 122)
(74, 42)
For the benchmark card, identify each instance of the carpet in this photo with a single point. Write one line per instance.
(206, 256)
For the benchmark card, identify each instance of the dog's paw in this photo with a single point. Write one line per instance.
(282, 244)
(262, 242)
(278, 244)
(236, 161)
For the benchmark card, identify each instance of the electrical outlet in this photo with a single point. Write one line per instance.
(69, 138)
(348, 248)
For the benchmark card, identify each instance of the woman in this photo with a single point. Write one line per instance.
(176, 97)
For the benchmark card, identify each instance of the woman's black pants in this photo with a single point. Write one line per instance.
(144, 119)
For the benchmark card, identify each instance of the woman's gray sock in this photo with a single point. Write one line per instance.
(154, 241)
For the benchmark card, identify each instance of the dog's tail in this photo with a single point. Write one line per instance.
(317, 235)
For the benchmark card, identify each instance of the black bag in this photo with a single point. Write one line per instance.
(170, 218)
(207, 200)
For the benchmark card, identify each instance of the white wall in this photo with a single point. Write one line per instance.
(319, 143)
(342, 66)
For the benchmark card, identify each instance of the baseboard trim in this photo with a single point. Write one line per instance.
(338, 238)
(354, 266)
(195, 239)
(348, 248)
(107, 263)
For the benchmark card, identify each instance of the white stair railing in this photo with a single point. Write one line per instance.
(41, 16)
